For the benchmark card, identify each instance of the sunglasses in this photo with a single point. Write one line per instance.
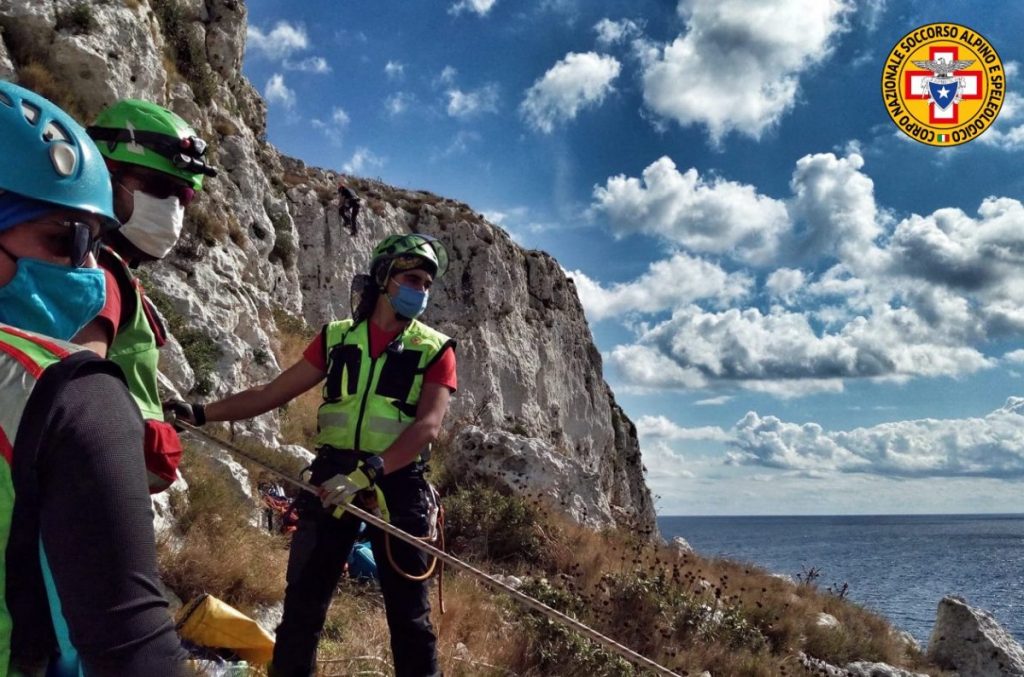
(83, 240)
(161, 188)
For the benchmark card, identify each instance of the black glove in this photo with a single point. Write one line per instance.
(180, 410)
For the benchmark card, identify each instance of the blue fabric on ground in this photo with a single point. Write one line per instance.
(361, 565)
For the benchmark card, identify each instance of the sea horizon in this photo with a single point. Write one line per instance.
(855, 514)
(898, 565)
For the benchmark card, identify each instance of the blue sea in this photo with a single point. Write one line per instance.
(897, 565)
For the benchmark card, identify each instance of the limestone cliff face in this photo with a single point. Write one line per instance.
(264, 238)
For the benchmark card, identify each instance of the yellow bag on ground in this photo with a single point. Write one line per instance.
(209, 622)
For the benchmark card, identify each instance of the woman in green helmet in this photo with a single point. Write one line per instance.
(387, 382)
(156, 166)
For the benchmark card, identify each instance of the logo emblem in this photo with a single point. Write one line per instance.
(943, 84)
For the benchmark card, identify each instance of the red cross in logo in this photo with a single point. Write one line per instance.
(915, 86)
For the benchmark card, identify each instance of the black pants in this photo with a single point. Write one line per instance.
(349, 212)
(319, 550)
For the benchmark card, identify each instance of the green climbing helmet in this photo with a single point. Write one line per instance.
(145, 134)
(426, 247)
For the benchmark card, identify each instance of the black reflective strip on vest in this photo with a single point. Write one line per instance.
(450, 343)
(342, 358)
(396, 378)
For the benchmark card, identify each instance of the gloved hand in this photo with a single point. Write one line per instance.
(180, 410)
(339, 490)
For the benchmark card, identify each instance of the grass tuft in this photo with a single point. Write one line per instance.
(218, 551)
(76, 19)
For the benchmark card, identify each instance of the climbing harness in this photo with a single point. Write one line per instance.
(554, 614)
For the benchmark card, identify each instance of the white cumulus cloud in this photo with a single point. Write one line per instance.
(276, 91)
(713, 215)
(737, 65)
(671, 283)
(478, 7)
(363, 160)
(987, 446)
(659, 427)
(834, 207)
(313, 64)
(335, 126)
(782, 352)
(785, 283)
(398, 103)
(447, 75)
(575, 82)
(842, 289)
(280, 42)
(612, 32)
(474, 102)
(664, 466)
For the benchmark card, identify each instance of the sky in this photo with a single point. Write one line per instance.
(803, 310)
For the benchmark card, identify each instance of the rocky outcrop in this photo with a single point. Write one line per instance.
(263, 241)
(971, 642)
(682, 546)
(817, 666)
(531, 467)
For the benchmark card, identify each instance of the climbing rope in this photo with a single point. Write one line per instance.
(439, 539)
(554, 614)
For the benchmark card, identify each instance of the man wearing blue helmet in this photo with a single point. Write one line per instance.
(79, 588)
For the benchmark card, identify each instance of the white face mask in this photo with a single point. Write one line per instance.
(155, 224)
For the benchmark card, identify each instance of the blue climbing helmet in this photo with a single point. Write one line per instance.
(45, 155)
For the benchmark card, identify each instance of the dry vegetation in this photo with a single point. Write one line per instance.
(40, 79)
(686, 612)
(298, 417)
(215, 549)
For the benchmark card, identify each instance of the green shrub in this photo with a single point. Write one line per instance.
(76, 19)
(186, 50)
(559, 650)
(483, 522)
(284, 250)
(292, 325)
(201, 350)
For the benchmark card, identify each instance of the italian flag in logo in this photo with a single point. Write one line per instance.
(943, 137)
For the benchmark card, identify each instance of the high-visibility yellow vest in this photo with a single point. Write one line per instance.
(368, 402)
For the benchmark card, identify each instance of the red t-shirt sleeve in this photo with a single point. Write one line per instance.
(443, 371)
(110, 315)
(314, 353)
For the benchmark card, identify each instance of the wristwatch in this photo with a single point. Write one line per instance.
(374, 468)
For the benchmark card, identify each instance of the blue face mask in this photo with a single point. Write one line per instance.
(408, 302)
(52, 299)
